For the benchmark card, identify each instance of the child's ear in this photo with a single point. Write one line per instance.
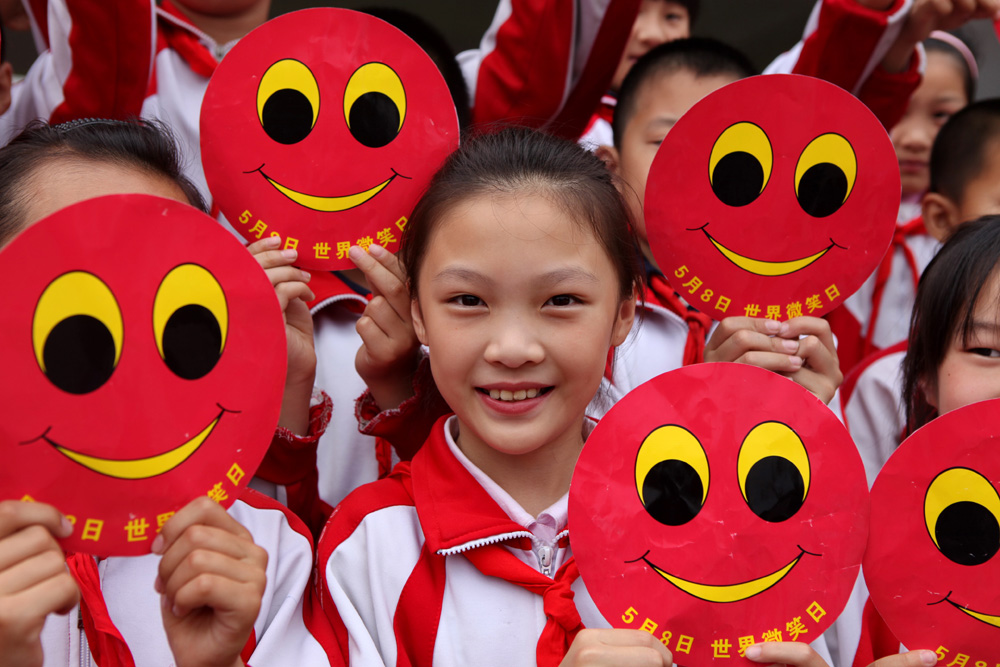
(418, 321)
(930, 392)
(940, 215)
(609, 156)
(623, 321)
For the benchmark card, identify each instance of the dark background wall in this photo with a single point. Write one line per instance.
(762, 28)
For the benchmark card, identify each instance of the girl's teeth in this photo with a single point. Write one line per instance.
(506, 395)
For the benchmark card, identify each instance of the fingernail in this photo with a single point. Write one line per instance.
(375, 250)
(157, 546)
(306, 276)
(289, 253)
(784, 328)
(355, 252)
(929, 658)
(176, 611)
(163, 601)
(158, 584)
(795, 361)
(772, 326)
(272, 241)
(754, 652)
(67, 527)
(791, 345)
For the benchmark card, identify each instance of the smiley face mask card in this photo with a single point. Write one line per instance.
(324, 126)
(717, 506)
(931, 566)
(140, 370)
(774, 196)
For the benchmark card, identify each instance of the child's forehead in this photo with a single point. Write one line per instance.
(673, 91)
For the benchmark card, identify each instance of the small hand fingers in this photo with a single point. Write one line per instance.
(771, 361)
(202, 511)
(798, 654)
(287, 274)
(289, 291)
(264, 245)
(745, 341)
(31, 572)
(270, 259)
(26, 543)
(57, 594)
(200, 562)
(203, 539)
(15, 515)
(730, 325)
(218, 592)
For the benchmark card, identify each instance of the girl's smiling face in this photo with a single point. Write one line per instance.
(970, 370)
(940, 94)
(519, 304)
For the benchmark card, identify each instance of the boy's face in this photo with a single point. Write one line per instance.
(982, 194)
(662, 101)
(658, 22)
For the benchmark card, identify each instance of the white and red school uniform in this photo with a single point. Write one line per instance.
(120, 591)
(878, 314)
(874, 408)
(538, 62)
(832, 24)
(438, 565)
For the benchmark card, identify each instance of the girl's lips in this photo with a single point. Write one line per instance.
(912, 166)
(513, 407)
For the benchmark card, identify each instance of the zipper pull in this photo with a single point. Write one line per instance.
(545, 559)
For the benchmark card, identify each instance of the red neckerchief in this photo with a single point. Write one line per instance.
(659, 291)
(107, 645)
(915, 226)
(185, 41)
(562, 620)
(877, 640)
(455, 510)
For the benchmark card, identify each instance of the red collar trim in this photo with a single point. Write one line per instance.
(186, 39)
(453, 508)
(329, 288)
(915, 226)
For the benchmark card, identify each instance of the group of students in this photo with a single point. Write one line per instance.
(481, 356)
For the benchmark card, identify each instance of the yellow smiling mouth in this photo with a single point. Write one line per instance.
(763, 268)
(140, 468)
(328, 204)
(729, 592)
(978, 615)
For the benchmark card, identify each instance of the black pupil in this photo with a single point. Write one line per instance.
(192, 342)
(79, 354)
(672, 492)
(374, 119)
(822, 189)
(967, 533)
(287, 116)
(774, 489)
(737, 179)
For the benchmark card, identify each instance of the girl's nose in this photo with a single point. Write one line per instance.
(513, 343)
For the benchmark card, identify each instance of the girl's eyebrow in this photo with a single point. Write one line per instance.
(567, 274)
(556, 276)
(980, 326)
(462, 274)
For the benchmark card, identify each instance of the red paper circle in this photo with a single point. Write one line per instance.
(709, 576)
(98, 280)
(931, 592)
(298, 136)
(793, 247)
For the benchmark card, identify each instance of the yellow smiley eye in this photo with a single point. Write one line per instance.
(962, 513)
(288, 101)
(740, 164)
(375, 104)
(671, 475)
(190, 321)
(825, 175)
(773, 471)
(77, 332)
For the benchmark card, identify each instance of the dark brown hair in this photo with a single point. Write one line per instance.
(946, 301)
(145, 145)
(517, 161)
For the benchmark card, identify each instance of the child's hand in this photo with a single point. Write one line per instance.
(389, 351)
(616, 648)
(34, 581)
(922, 658)
(794, 654)
(293, 293)
(211, 578)
(810, 361)
(928, 15)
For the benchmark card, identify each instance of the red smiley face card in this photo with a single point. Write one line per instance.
(717, 506)
(931, 566)
(141, 371)
(324, 126)
(774, 196)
